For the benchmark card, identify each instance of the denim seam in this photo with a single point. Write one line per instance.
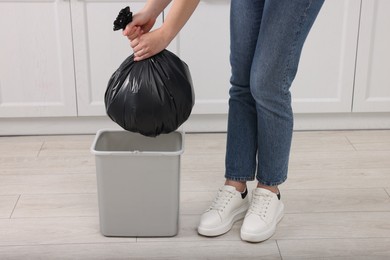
(294, 46)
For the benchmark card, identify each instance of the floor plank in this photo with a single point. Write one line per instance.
(336, 200)
(337, 178)
(66, 230)
(334, 225)
(205, 144)
(321, 141)
(365, 248)
(48, 184)
(7, 205)
(195, 203)
(68, 147)
(22, 165)
(157, 250)
(11, 149)
(339, 160)
(378, 140)
(203, 162)
(56, 205)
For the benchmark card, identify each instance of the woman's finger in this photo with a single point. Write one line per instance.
(134, 43)
(134, 34)
(139, 52)
(129, 28)
(137, 48)
(143, 54)
(142, 57)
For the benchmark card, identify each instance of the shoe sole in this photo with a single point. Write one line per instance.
(225, 227)
(259, 237)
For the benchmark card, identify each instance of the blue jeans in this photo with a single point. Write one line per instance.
(267, 37)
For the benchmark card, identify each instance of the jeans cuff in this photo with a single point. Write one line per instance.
(271, 183)
(235, 178)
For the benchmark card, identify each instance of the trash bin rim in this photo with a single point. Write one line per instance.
(134, 153)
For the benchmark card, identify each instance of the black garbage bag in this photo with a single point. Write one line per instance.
(151, 96)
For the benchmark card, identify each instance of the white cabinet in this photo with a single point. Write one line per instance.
(60, 63)
(325, 78)
(204, 45)
(98, 50)
(372, 84)
(56, 57)
(36, 59)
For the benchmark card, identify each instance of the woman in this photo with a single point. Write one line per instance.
(267, 37)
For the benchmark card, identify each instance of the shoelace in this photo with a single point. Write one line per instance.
(260, 204)
(221, 200)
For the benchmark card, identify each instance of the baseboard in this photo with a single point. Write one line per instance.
(196, 123)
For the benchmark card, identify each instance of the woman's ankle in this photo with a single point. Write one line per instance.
(239, 185)
(274, 189)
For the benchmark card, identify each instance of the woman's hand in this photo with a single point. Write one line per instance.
(144, 43)
(142, 23)
(149, 44)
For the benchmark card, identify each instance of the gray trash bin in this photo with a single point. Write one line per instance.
(138, 183)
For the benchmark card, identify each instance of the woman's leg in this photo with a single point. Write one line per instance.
(230, 204)
(241, 150)
(284, 28)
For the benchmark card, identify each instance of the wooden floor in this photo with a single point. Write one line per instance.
(337, 201)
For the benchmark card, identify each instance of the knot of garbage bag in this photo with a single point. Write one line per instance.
(124, 18)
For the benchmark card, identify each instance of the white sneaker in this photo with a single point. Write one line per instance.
(228, 207)
(265, 212)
